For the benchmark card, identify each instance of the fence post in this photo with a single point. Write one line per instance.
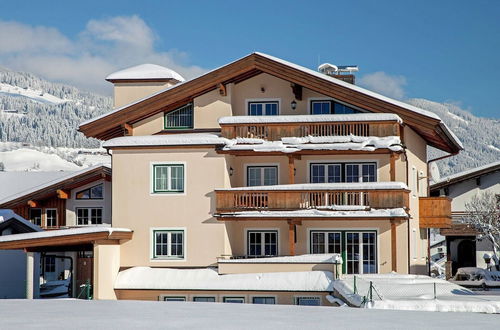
(355, 288)
(370, 293)
(435, 297)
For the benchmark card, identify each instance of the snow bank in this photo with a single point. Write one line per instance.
(305, 258)
(314, 213)
(148, 278)
(64, 232)
(145, 71)
(356, 117)
(390, 185)
(165, 140)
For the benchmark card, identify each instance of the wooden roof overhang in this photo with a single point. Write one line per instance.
(467, 176)
(82, 179)
(115, 237)
(111, 125)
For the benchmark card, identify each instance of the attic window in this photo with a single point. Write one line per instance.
(94, 192)
(180, 118)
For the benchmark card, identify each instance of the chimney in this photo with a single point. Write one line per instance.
(342, 72)
(137, 82)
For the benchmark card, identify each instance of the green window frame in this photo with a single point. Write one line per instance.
(168, 178)
(169, 244)
(180, 118)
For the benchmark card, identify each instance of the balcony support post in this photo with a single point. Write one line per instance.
(291, 170)
(292, 234)
(392, 168)
(394, 255)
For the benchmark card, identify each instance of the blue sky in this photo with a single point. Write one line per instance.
(438, 50)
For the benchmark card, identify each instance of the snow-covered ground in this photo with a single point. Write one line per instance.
(20, 157)
(80, 314)
(35, 95)
(413, 292)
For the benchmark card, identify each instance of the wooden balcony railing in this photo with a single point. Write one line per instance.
(241, 200)
(435, 212)
(275, 131)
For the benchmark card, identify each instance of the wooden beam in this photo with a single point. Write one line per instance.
(291, 237)
(62, 194)
(291, 170)
(222, 89)
(297, 91)
(392, 169)
(128, 130)
(32, 203)
(394, 254)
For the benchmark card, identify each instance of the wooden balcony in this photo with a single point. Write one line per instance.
(276, 131)
(435, 212)
(228, 201)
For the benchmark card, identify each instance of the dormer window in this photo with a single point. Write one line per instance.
(181, 118)
(263, 108)
(95, 192)
(325, 107)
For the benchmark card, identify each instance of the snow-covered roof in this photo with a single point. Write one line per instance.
(286, 145)
(165, 140)
(53, 178)
(355, 117)
(315, 213)
(6, 215)
(64, 232)
(147, 278)
(300, 259)
(328, 186)
(464, 175)
(12, 183)
(145, 72)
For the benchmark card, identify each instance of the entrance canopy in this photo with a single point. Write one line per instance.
(65, 237)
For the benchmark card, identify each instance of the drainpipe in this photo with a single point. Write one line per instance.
(408, 222)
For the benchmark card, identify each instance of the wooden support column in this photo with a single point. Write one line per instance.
(392, 169)
(394, 254)
(292, 234)
(30, 274)
(291, 169)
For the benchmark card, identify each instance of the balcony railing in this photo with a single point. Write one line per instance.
(435, 212)
(276, 131)
(271, 200)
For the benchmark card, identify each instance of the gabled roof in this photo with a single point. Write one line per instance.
(466, 175)
(15, 182)
(145, 72)
(48, 188)
(426, 123)
(10, 219)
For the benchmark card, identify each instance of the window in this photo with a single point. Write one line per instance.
(181, 118)
(262, 175)
(308, 301)
(343, 172)
(264, 300)
(322, 107)
(174, 298)
(89, 216)
(168, 244)
(234, 300)
(95, 192)
(50, 264)
(51, 217)
(204, 299)
(168, 178)
(325, 242)
(36, 216)
(263, 108)
(262, 243)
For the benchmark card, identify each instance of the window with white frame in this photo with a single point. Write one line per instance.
(262, 175)
(88, 216)
(168, 244)
(181, 118)
(168, 178)
(262, 243)
(264, 300)
(326, 242)
(174, 298)
(36, 216)
(234, 300)
(308, 301)
(263, 108)
(343, 172)
(51, 217)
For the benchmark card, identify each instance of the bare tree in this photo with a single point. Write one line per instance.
(483, 214)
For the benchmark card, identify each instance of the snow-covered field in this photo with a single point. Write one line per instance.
(35, 95)
(413, 292)
(80, 314)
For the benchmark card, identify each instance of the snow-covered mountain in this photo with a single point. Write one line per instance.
(38, 114)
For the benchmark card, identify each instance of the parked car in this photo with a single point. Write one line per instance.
(473, 277)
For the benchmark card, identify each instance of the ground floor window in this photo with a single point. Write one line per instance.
(262, 243)
(308, 301)
(358, 248)
(204, 299)
(174, 298)
(234, 300)
(89, 216)
(168, 244)
(264, 300)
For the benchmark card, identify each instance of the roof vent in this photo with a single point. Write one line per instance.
(342, 72)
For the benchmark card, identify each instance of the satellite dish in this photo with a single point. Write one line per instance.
(434, 172)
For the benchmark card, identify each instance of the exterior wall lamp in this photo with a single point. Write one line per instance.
(293, 105)
(231, 171)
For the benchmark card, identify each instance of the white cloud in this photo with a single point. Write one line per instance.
(104, 46)
(385, 84)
